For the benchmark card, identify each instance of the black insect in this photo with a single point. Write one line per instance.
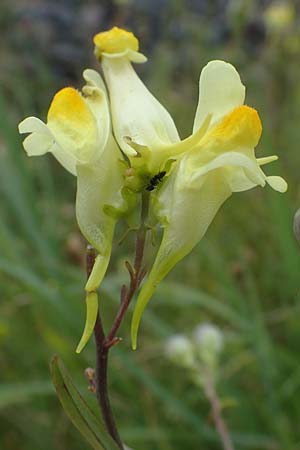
(155, 181)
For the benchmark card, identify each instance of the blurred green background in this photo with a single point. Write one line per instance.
(244, 276)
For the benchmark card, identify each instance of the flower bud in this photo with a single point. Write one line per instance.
(208, 341)
(179, 349)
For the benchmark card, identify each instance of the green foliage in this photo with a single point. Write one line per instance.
(244, 276)
(84, 419)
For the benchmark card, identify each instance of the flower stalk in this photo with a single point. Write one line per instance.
(105, 342)
(221, 427)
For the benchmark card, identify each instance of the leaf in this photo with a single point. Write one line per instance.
(87, 423)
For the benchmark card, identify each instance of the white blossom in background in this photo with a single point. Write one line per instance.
(209, 342)
(180, 350)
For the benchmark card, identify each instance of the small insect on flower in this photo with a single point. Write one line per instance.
(155, 181)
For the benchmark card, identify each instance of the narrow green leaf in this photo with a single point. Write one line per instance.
(90, 426)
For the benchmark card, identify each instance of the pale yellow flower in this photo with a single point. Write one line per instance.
(220, 163)
(142, 126)
(144, 129)
(78, 134)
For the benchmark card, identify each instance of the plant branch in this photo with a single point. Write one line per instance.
(221, 427)
(100, 381)
(104, 343)
(136, 272)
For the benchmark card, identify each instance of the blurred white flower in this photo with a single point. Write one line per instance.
(179, 349)
(208, 340)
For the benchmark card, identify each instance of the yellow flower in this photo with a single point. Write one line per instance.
(78, 134)
(220, 163)
(142, 126)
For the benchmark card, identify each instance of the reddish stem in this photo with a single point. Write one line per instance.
(221, 427)
(104, 343)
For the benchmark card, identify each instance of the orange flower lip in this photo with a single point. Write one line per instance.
(242, 125)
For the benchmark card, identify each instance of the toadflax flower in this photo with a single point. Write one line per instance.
(221, 162)
(78, 134)
(144, 129)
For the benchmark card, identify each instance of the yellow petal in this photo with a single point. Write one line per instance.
(220, 91)
(33, 125)
(40, 141)
(240, 128)
(72, 124)
(137, 115)
(277, 183)
(266, 160)
(78, 126)
(118, 43)
(115, 40)
(68, 104)
(37, 144)
(96, 98)
(99, 184)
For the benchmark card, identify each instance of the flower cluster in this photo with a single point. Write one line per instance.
(119, 142)
(200, 351)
